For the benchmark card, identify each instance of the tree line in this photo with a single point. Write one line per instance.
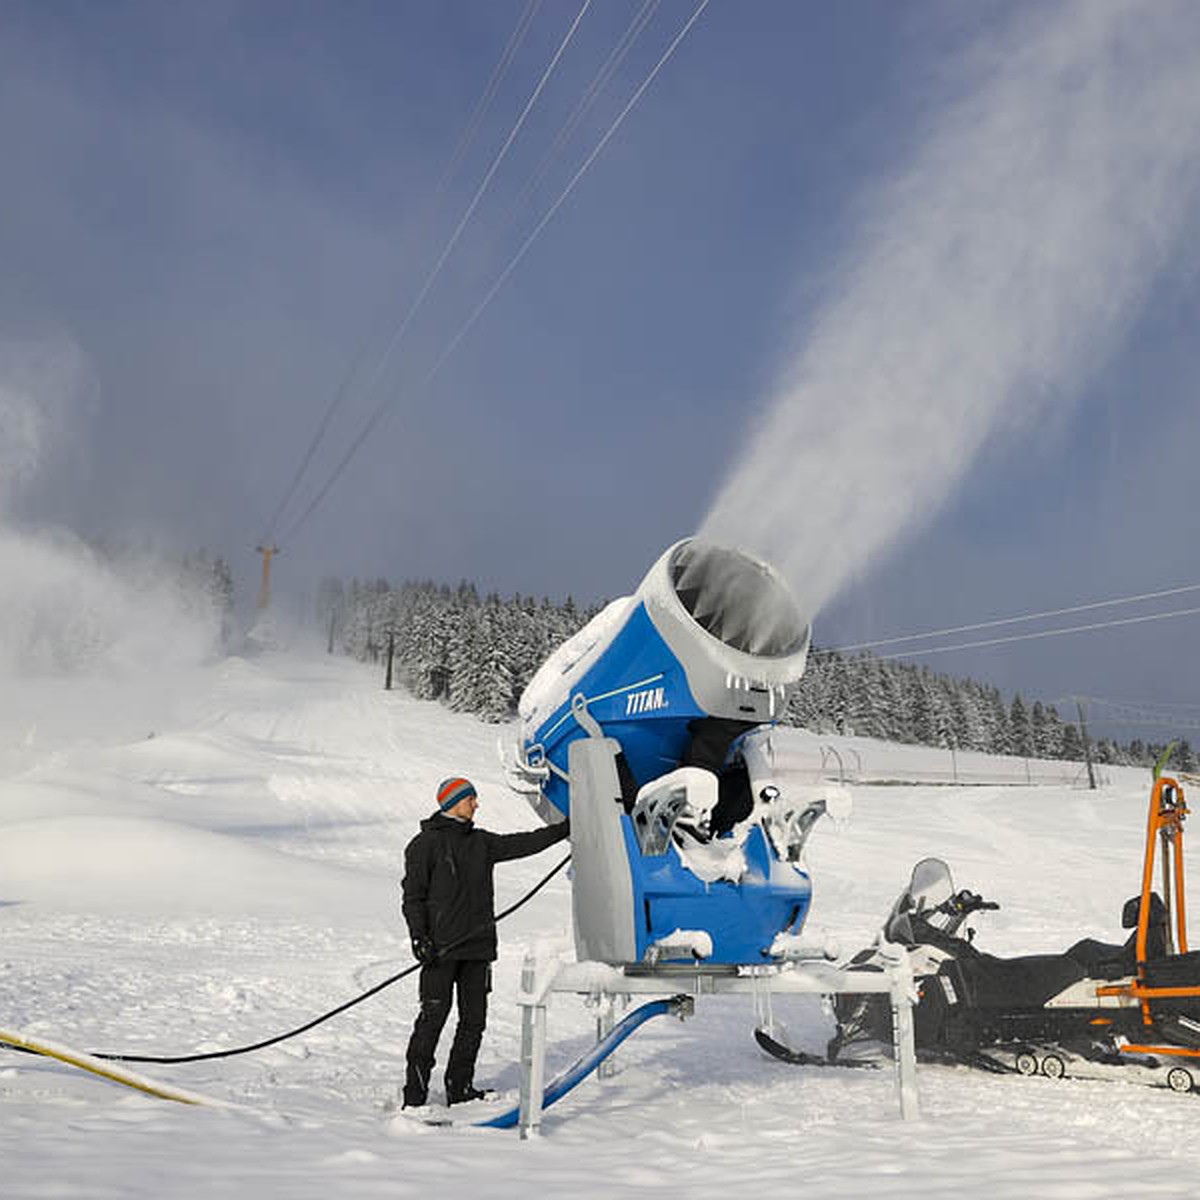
(477, 653)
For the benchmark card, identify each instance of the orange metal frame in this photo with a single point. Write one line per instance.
(1168, 810)
(1164, 828)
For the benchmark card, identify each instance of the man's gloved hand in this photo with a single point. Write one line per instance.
(424, 951)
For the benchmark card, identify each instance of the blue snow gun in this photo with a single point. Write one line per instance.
(649, 729)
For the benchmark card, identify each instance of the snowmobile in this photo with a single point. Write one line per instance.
(1088, 1011)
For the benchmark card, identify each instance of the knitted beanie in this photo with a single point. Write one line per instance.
(451, 791)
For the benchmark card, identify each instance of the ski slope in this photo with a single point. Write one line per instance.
(199, 862)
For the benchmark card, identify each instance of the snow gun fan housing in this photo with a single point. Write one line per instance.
(648, 728)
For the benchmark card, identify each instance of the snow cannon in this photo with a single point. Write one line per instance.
(649, 728)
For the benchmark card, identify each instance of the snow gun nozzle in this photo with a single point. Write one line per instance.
(740, 600)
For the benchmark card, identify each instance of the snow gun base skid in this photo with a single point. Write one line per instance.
(607, 986)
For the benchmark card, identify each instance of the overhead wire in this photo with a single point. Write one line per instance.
(1036, 616)
(1145, 705)
(1153, 714)
(489, 94)
(398, 334)
(1042, 633)
(1147, 723)
(591, 94)
(454, 342)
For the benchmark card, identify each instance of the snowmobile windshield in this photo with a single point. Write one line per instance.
(930, 886)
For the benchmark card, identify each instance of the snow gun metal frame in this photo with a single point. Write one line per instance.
(648, 728)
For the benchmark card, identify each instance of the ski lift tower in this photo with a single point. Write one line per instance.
(268, 550)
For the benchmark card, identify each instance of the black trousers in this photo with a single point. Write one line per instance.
(472, 980)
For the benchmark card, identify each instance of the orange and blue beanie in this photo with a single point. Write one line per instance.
(451, 791)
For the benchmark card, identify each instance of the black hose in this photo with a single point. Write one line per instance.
(341, 1008)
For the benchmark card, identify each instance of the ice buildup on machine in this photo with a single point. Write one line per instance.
(650, 729)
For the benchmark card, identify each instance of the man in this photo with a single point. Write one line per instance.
(448, 904)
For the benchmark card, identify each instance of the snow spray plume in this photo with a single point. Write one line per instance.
(988, 282)
(63, 608)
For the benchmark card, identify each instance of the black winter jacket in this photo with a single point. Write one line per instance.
(447, 885)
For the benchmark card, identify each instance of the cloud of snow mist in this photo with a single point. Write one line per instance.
(988, 281)
(65, 610)
(37, 383)
(64, 607)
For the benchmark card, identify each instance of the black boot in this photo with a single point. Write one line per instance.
(468, 1093)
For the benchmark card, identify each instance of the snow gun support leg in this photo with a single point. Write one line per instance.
(903, 996)
(535, 1094)
(533, 1049)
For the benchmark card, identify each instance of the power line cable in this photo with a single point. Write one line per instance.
(1043, 633)
(489, 94)
(379, 413)
(1116, 712)
(431, 278)
(465, 139)
(1156, 706)
(599, 82)
(1038, 616)
(1143, 722)
(1159, 706)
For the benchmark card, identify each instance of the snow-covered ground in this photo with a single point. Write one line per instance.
(210, 859)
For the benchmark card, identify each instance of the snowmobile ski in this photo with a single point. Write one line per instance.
(800, 1058)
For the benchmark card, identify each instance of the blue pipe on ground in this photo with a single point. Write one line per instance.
(583, 1067)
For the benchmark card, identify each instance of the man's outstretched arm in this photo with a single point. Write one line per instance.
(506, 846)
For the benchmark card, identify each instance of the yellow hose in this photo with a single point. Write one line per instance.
(107, 1070)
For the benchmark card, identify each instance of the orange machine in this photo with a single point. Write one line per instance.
(1167, 984)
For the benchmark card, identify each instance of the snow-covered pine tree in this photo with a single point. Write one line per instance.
(1184, 758)
(1020, 728)
(1072, 744)
(999, 733)
(495, 700)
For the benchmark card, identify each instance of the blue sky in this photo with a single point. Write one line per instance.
(208, 209)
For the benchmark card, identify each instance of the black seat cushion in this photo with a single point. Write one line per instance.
(1105, 960)
(1026, 982)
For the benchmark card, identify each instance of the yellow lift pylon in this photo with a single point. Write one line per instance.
(268, 551)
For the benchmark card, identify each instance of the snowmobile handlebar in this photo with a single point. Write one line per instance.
(965, 902)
